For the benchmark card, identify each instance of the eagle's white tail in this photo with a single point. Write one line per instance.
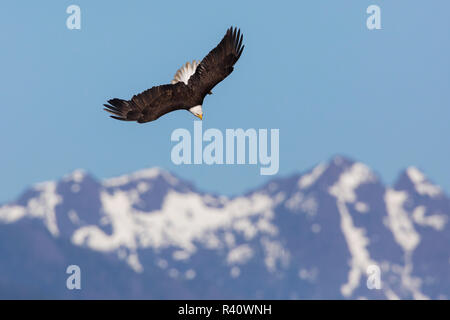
(185, 72)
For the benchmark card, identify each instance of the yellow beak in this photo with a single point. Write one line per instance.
(200, 116)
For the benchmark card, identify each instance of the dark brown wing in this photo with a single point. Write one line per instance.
(218, 64)
(150, 104)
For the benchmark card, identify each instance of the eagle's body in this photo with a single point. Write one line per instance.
(188, 89)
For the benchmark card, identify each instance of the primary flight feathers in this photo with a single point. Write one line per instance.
(191, 83)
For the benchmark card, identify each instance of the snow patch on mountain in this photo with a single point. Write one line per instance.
(190, 274)
(436, 221)
(308, 179)
(180, 255)
(76, 176)
(357, 242)
(349, 181)
(361, 207)
(301, 202)
(308, 274)
(421, 184)
(402, 227)
(399, 221)
(183, 220)
(240, 255)
(12, 213)
(409, 282)
(134, 263)
(41, 206)
(275, 254)
(74, 218)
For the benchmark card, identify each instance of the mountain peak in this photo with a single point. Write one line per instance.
(415, 180)
(339, 167)
(77, 176)
(341, 161)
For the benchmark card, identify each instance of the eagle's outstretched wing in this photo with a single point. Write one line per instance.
(150, 104)
(218, 64)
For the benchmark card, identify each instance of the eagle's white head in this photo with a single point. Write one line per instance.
(197, 111)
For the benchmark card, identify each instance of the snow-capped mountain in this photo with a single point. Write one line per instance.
(152, 235)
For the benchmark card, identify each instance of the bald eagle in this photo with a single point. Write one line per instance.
(191, 83)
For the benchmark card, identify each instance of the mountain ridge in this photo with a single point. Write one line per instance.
(274, 238)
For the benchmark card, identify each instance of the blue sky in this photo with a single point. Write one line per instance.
(310, 68)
